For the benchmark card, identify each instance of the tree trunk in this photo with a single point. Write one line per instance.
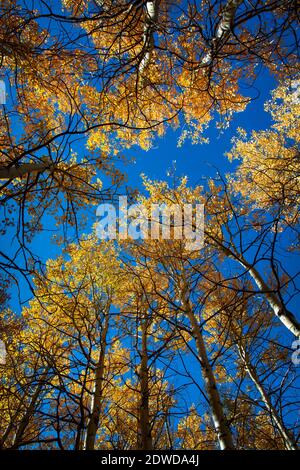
(220, 423)
(10, 427)
(288, 440)
(98, 391)
(223, 30)
(286, 317)
(148, 38)
(144, 434)
(10, 173)
(30, 409)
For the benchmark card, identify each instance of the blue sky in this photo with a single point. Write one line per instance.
(195, 161)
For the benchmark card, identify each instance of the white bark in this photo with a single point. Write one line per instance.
(284, 315)
(2, 92)
(221, 426)
(224, 28)
(288, 440)
(148, 36)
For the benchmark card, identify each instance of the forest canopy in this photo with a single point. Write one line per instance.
(149, 343)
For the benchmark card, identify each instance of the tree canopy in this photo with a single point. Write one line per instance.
(148, 342)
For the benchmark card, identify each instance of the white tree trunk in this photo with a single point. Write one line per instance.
(284, 315)
(148, 36)
(223, 29)
(220, 422)
(288, 440)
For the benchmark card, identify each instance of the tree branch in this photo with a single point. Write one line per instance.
(10, 173)
(223, 30)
